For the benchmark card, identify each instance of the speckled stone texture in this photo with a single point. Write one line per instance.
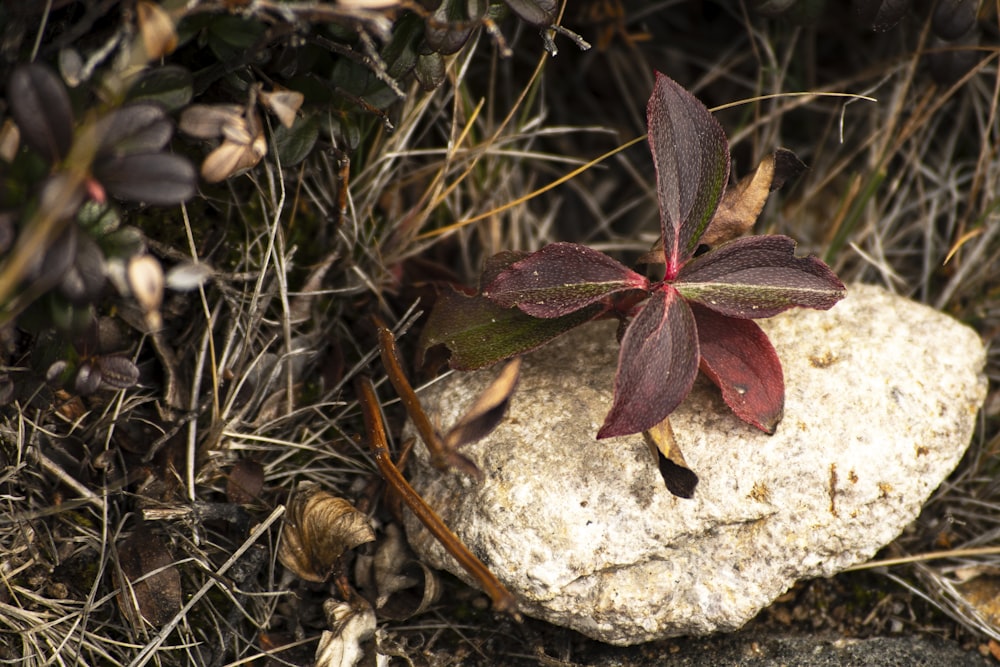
(881, 399)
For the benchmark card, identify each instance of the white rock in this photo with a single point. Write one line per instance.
(881, 398)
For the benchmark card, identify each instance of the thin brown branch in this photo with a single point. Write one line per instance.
(442, 457)
(503, 601)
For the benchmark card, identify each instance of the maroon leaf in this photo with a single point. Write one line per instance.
(41, 108)
(657, 365)
(691, 158)
(737, 356)
(561, 278)
(497, 264)
(154, 178)
(480, 333)
(759, 276)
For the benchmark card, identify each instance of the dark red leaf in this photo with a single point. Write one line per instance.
(691, 158)
(480, 333)
(759, 276)
(155, 178)
(497, 264)
(657, 365)
(737, 356)
(561, 278)
(41, 108)
(142, 127)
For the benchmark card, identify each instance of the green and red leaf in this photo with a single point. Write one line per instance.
(561, 278)
(657, 365)
(759, 276)
(691, 159)
(737, 356)
(479, 333)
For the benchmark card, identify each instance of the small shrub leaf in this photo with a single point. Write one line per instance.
(560, 279)
(657, 365)
(294, 144)
(170, 86)
(479, 333)
(540, 13)
(737, 356)
(759, 276)
(691, 158)
(41, 108)
(118, 371)
(137, 128)
(155, 178)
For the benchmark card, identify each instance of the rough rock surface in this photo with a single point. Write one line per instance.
(881, 398)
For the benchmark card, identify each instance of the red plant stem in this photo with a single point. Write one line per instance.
(503, 600)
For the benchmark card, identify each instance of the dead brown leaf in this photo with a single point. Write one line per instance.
(319, 528)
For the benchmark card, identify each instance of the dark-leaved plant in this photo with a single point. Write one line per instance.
(699, 314)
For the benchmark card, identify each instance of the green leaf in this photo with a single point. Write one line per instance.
(759, 276)
(691, 159)
(479, 333)
(294, 144)
(171, 86)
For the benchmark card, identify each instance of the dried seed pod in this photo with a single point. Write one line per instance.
(319, 528)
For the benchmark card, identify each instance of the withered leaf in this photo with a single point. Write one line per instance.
(245, 482)
(405, 587)
(679, 478)
(150, 585)
(488, 410)
(157, 29)
(206, 121)
(351, 625)
(741, 205)
(283, 103)
(319, 527)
